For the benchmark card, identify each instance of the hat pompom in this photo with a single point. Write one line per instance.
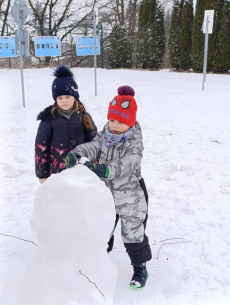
(126, 90)
(64, 83)
(63, 71)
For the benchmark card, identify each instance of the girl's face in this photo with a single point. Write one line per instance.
(65, 102)
(117, 127)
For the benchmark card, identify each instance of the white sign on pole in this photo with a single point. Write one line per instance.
(210, 15)
(20, 7)
(206, 29)
(96, 11)
(25, 45)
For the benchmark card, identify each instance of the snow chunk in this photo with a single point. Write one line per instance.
(73, 218)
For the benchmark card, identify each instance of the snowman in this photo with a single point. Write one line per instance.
(73, 218)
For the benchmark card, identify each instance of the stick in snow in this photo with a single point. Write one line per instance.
(29, 241)
(92, 283)
(178, 242)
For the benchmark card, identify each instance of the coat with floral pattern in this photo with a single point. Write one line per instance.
(56, 136)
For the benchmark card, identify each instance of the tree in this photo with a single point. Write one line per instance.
(223, 56)
(174, 36)
(121, 49)
(142, 37)
(145, 29)
(39, 21)
(217, 6)
(4, 14)
(185, 45)
(157, 39)
(198, 37)
(120, 9)
(168, 16)
(132, 17)
(53, 17)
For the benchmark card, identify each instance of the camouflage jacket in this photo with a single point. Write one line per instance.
(124, 163)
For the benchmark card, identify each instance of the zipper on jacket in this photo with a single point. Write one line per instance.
(112, 153)
(107, 155)
(69, 135)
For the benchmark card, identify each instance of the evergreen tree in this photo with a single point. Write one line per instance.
(223, 56)
(157, 39)
(151, 7)
(185, 45)
(121, 49)
(198, 37)
(174, 36)
(145, 24)
(142, 37)
(217, 6)
(168, 17)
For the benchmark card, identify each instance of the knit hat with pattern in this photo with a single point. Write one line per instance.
(64, 83)
(123, 107)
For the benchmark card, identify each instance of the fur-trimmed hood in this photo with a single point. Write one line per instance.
(46, 114)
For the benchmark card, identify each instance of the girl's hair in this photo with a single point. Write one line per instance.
(78, 107)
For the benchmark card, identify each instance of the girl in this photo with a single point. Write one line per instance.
(63, 126)
(118, 147)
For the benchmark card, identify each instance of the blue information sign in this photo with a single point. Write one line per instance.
(7, 46)
(85, 45)
(47, 46)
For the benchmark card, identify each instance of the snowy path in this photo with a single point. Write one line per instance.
(186, 167)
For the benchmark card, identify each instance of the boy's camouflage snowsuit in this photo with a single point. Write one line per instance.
(123, 161)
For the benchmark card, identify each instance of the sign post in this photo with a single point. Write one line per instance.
(20, 12)
(7, 33)
(95, 22)
(206, 29)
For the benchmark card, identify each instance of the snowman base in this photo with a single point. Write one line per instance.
(73, 218)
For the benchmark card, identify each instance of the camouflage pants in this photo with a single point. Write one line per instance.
(138, 249)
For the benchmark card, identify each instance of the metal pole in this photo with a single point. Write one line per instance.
(95, 56)
(205, 54)
(102, 62)
(55, 29)
(7, 33)
(20, 50)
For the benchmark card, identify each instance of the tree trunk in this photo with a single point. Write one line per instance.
(5, 18)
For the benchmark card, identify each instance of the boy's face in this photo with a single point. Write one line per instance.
(65, 102)
(117, 127)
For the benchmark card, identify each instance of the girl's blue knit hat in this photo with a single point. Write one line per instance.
(64, 83)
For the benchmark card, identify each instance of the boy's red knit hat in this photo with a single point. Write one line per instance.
(123, 107)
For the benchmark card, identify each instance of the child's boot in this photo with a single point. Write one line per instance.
(140, 276)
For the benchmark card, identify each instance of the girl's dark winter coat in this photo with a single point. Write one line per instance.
(55, 138)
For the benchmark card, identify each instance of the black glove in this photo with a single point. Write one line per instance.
(100, 170)
(72, 159)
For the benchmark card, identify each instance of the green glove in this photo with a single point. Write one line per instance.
(72, 159)
(100, 170)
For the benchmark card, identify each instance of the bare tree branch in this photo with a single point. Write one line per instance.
(34, 10)
(29, 241)
(74, 64)
(64, 13)
(1, 11)
(5, 18)
(178, 242)
(92, 283)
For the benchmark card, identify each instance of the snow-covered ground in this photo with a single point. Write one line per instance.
(186, 167)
